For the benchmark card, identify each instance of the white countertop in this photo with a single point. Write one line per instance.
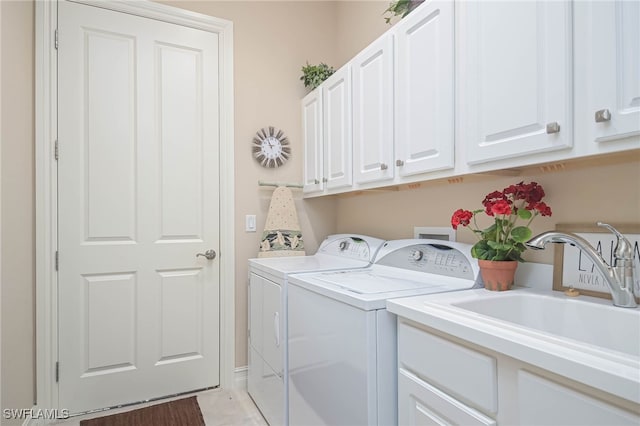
(612, 371)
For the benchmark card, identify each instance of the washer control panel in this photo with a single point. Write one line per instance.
(433, 258)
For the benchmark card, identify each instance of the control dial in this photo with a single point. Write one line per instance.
(417, 255)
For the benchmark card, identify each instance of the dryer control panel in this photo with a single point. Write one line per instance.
(358, 247)
(430, 256)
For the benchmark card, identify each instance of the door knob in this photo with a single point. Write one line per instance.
(209, 254)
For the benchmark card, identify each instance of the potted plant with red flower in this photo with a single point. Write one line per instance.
(500, 246)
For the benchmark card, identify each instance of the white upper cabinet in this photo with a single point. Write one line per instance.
(515, 75)
(312, 140)
(607, 43)
(338, 138)
(424, 89)
(372, 72)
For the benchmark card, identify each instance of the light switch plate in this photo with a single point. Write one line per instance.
(250, 223)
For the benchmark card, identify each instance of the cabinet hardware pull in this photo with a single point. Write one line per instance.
(399, 163)
(276, 328)
(383, 166)
(553, 127)
(316, 181)
(603, 115)
(325, 180)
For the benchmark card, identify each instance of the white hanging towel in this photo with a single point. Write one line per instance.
(281, 236)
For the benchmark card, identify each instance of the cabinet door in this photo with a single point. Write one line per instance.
(543, 402)
(424, 89)
(608, 36)
(336, 99)
(516, 78)
(373, 112)
(420, 403)
(312, 140)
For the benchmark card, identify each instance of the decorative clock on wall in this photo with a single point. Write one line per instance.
(271, 147)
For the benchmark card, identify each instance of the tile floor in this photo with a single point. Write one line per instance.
(219, 408)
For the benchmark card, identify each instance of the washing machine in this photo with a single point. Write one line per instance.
(267, 378)
(342, 340)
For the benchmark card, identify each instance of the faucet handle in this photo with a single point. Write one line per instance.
(623, 249)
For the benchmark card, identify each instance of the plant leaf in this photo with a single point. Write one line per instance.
(524, 214)
(521, 234)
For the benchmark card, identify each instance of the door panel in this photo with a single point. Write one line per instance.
(138, 198)
(110, 150)
(425, 90)
(336, 101)
(373, 112)
(313, 144)
(109, 310)
(614, 48)
(517, 73)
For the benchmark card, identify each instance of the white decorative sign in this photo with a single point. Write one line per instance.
(579, 272)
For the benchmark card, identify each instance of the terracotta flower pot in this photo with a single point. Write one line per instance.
(498, 275)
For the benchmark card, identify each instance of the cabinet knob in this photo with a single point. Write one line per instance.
(383, 166)
(399, 163)
(603, 115)
(325, 180)
(316, 181)
(553, 127)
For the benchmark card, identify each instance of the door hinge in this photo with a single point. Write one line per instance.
(56, 39)
(55, 150)
(57, 371)
(57, 260)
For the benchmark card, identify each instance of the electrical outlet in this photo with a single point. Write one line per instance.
(250, 223)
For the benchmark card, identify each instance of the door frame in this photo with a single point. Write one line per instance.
(46, 218)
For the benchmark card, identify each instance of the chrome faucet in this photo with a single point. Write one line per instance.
(620, 277)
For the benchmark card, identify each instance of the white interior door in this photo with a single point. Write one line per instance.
(138, 199)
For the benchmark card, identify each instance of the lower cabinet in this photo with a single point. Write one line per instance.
(444, 381)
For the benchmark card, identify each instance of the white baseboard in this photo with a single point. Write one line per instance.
(240, 378)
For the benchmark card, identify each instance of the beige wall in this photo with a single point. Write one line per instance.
(17, 180)
(578, 194)
(358, 24)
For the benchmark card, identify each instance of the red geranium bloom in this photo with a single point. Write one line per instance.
(544, 209)
(461, 217)
(501, 207)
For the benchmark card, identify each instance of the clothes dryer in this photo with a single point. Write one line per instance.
(267, 378)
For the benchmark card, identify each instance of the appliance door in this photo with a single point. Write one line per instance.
(265, 381)
(332, 361)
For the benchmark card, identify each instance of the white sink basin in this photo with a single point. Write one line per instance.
(585, 339)
(606, 326)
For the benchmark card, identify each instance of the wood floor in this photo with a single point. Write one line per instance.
(219, 408)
